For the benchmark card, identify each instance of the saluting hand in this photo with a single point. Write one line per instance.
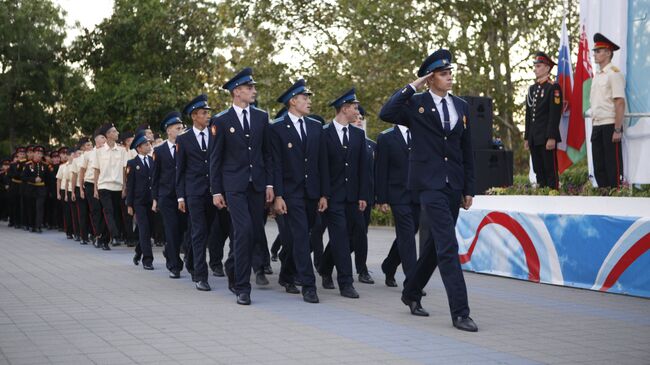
(418, 83)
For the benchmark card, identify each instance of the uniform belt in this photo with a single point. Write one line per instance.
(36, 184)
(17, 181)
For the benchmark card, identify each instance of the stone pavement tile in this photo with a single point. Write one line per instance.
(32, 360)
(69, 359)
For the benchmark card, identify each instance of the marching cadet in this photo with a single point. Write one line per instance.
(607, 100)
(87, 176)
(34, 175)
(393, 148)
(5, 181)
(52, 205)
(345, 152)
(15, 172)
(138, 197)
(543, 114)
(241, 179)
(300, 190)
(441, 170)
(73, 155)
(64, 221)
(81, 204)
(163, 190)
(109, 165)
(128, 231)
(359, 240)
(193, 184)
(279, 219)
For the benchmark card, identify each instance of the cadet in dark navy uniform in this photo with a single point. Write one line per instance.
(5, 181)
(241, 173)
(441, 170)
(15, 172)
(163, 193)
(193, 184)
(543, 114)
(298, 185)
(345, 152)
(359, 241)
(138, 197)
(391, 176)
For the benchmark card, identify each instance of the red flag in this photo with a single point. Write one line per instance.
(576, 133)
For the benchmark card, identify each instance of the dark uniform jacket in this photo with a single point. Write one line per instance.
(543, 113)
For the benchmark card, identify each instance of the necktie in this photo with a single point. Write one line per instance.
(204, 147)
(345, 137)
(303, 135)
(445, 113)
(247, 128)
(146, 163)
(408, 138)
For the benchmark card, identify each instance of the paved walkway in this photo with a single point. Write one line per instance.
(65, 303)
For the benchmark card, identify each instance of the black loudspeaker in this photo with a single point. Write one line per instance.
(492, 168)
(481, 119)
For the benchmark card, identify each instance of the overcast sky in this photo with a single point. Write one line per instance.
(88, 13)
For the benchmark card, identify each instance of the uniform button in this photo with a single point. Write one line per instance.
(206, 161)
(446, 158)
(206, 175)
(445, 138)
(305, 160)
(346, 179)
(250, 148)
(250, 165)
(305, 176)
(346, 164)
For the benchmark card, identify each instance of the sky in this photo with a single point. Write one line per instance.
(88, 13)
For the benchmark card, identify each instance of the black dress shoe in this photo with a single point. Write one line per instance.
(260, 279)
(203, 285)
(328, 283)
(147, 266)
(415, 307)
(310, 296)
(69, 236)
(268, 270)
(83, 242)
(174, 274)
(106, 247)
(465, 324)
(349, 292)
(136, 260)
(364, 277)
(115, 242)
(244, 299)
(218, 271)
(424, 294)
(390, 281)
(274, 257)
(289, 287)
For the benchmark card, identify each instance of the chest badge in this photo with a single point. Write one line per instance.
(290, 145)
(421, 110)
(137, 167)
(213, 129)
(232, 129)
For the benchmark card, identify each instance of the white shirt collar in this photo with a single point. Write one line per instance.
(170, 145)
(142, 157)
(239, 110)
(197, 131)
(339, 127)
(402, 129)
(438, 99)
(295, 118)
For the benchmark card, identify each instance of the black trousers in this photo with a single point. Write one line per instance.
(316, 239)
(295, 254)
(545, 166)
(97, 223)
(607, 157)
(247, 218)
(82, 213)
(277, 243)
(111, 209)
(37, 194)
(143, 218)
(341, 220)
(175, 224)
(217, 238)
(403, 250)
(440, 208)
(14, 204)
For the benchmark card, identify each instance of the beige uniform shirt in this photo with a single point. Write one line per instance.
(68, 176)
(62, 175)
(87, 163)
(111, 163)
(76, 168)
(607, 85)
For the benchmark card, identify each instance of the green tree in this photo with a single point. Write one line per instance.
(33, 71)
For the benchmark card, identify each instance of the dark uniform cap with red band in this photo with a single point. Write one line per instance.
(600, 41)
(541, 57)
